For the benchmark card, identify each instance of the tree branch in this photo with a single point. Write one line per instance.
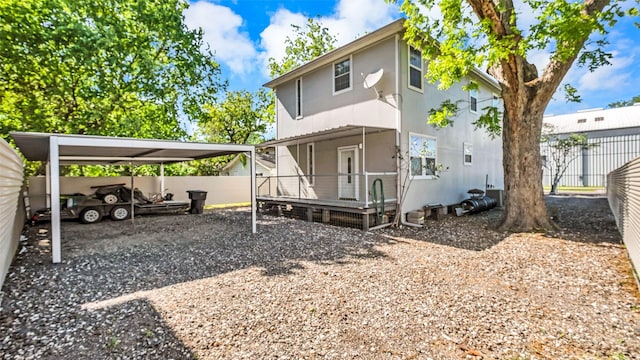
(558, 68)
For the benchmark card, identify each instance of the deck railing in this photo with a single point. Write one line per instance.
(360, 190)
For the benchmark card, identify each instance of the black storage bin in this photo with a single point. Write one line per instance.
(197, 201)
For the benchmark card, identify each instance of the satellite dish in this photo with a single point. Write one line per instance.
(372, 78)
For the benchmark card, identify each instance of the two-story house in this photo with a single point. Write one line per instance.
(358, 114)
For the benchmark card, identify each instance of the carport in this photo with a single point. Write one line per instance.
(63, 149)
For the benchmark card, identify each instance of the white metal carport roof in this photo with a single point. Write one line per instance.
(64, 149)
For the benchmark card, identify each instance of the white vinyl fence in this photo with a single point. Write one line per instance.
(221, 190)
(623, 191)
(11, 210)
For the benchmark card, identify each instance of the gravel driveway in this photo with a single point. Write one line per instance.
(202, 286)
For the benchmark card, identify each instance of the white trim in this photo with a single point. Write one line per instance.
(299, 97)
(311, 171)
(333, 75)
(354, 167)
(421, 164)
(410, 67)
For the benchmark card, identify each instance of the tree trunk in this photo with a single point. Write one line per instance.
(525, 208)
(554, 188)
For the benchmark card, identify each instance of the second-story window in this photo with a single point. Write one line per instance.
(342, 76)
(473, 98)
(299, 98)
(415, 69)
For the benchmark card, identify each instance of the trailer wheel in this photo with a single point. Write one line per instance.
(120, 212)
(110, 198)
(90, 215)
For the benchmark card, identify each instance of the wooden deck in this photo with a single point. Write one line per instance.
(336, 212)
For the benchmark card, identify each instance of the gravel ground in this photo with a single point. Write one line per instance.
(202, 286)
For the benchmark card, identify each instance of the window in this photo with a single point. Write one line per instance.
(467, 153)
(311, 163)
(599, 118)
(342, 76)
(298, 98)
(415, 69)
(473, 98)
(422, 150)
(580, 121)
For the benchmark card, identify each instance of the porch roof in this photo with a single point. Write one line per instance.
(326, 134)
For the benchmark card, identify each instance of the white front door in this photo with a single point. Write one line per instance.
(348, 173)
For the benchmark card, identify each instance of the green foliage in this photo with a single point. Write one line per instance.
(442, 116)
(571, 94)
(485, 33)
(489, 120)
(241, 118)
(623, 103)
(308, 43)
(104, 67)
(563, 150)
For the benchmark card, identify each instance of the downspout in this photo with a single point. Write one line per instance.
(398, 134)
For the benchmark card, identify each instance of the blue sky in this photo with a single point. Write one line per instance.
(245, 33)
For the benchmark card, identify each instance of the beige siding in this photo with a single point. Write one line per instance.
(323, 110)
(11, 213)
(220, 189)
(379, 157)
(452, 185)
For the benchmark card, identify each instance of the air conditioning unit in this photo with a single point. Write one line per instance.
(497, 194)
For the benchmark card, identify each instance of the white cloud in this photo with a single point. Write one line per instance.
(273, 36)
(223, 33)
(607, 77)
(350, 19)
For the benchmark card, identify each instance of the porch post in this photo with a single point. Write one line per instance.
(364, 168)
(298, 170)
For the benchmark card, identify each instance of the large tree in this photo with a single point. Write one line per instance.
(102, 67)
(458, 35)
(241, 118)
(308, 42)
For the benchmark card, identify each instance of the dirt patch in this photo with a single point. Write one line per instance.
(203, 286)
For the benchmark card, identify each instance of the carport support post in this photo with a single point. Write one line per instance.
(253, 190)
(133, 193)
(54, 173)
(162, 180)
